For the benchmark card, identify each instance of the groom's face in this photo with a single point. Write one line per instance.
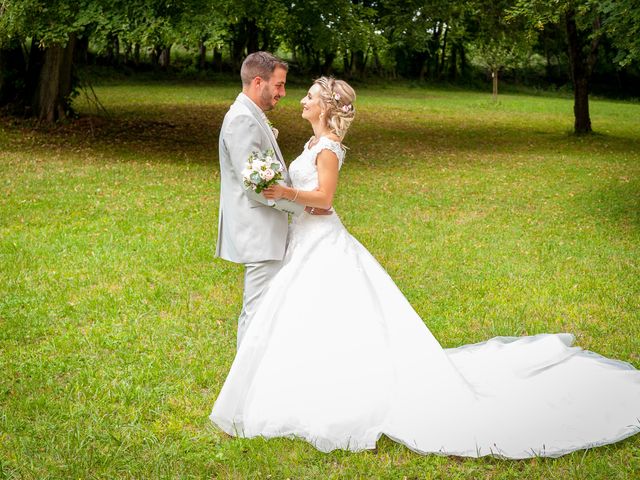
(273, 89)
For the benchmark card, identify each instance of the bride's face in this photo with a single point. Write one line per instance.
(312, 104)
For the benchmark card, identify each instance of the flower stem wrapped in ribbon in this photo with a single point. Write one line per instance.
(262, 171)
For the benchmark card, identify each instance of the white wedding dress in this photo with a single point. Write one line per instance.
(336, 355)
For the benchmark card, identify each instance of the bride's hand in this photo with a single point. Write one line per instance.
(274, 192)
(318, 211)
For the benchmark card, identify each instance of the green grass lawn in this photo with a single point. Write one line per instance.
(117, 325)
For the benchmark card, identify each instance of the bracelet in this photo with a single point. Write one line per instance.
(296, 196)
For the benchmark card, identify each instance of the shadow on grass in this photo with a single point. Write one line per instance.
(180, 133)
(617, 203)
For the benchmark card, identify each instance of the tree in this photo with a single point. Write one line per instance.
(581, 20)
(425, 34)
(315, 32)
(498, 43)
(252, 25)
(202, 24)
(498, 52)
(42, 82)
(42, 40)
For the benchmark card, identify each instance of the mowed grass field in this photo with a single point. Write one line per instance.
(117, 325)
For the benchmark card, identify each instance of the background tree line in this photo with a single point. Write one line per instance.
(42, 42)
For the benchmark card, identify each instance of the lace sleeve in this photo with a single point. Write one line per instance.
(335, 147)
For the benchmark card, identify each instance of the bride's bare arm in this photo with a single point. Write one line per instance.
(322, 197)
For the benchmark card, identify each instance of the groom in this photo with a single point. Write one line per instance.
(251, 229)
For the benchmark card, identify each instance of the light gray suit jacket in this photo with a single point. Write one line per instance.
(250, 227)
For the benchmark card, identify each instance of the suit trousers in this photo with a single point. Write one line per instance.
(256, 278)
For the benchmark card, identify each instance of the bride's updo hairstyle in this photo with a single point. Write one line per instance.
(337, 98)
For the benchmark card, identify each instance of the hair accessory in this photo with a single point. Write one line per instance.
(347, 108)
(336, 96)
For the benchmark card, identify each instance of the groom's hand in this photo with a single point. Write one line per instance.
(318, 211)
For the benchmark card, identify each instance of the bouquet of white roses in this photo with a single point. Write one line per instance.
(262, 171)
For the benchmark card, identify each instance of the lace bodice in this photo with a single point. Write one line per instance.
(303, 170)
(305, 228)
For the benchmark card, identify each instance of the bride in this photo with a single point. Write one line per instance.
(337, 356)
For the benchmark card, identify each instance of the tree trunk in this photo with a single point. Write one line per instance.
(347, 60)
(109, 50)
(202, 55)
(155, 56)
(266, 40)
(136, 54)
(581, 68)
(433, 62)
(113, 49)
(421, 61)
(444, 51)
(51, 99)
(376, 62)
(116, 50)
(547, 56)
(315, 60)
(127, 52)
(424, 70)
(81, 51)
(238, 43)
(165, 57)
(365, 61)
(494, 76)
(463, 61)
(582, 122)
(252, 36)
(358, 63)
(329, 57)
(453, 69)
(217, 59)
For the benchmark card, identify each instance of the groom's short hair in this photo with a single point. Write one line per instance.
(260, 64)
